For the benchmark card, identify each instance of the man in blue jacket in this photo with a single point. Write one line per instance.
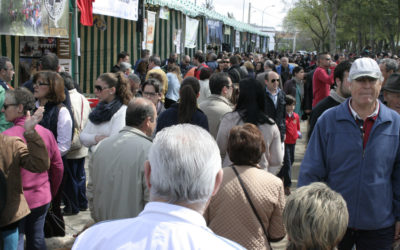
(355, 149)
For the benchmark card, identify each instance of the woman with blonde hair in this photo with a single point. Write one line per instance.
(174, 84)
(315, 217)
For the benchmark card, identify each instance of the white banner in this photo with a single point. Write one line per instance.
(151, 26)
(258, 42)
(164, 13)
(237, 39)
(177, 41)
(126, 9)
(191, 32)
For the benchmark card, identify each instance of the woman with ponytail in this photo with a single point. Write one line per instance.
(185, 110)
(108, 117)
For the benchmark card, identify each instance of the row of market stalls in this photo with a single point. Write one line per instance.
(31, 28)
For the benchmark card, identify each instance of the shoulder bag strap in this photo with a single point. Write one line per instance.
(251, 203)
(80, 125)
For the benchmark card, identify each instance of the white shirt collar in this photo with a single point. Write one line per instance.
(356, 116)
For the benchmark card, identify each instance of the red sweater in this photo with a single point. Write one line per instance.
(292, 126)
(321, 85)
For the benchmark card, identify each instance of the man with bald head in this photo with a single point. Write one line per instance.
(119, 187)
(275, 102)
(285, 69)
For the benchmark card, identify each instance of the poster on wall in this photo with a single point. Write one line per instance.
(237, 39)
(265, 45)
(49, 18)
(227, 30)
(164, 13)
(177, 40)
(258, 42)
(191, 32)
(214, 32)
(151, 25)
(126, 9)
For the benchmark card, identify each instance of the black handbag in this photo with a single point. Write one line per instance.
(54, 223)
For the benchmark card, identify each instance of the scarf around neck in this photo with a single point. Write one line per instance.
(105, 111)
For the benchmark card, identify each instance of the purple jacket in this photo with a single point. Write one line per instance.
(38, 187)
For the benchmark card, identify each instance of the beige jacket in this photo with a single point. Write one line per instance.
(230, 214)
(215, 106)
(81, 109)
(14, 153)
(119, 187)
(273, 157)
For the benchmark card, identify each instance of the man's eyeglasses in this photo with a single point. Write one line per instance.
(99, 88)
(274, 80)
(5, 106)
(149, 94)
(225, 61)
(41, 83)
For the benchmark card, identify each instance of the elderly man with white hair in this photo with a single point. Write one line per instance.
(355, 149)
(183, 172)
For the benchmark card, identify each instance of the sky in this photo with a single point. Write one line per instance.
(275, 10)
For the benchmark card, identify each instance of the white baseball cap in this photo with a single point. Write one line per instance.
(365, 67)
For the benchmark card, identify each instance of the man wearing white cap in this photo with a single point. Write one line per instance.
(355, 149)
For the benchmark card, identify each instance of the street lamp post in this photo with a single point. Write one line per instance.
(262, 19)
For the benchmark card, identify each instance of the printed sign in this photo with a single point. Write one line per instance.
(214, 32)
(49, 18)
(191, 32)
(126, 9)
(151, 25)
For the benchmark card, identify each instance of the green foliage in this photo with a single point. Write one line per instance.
(359, 23)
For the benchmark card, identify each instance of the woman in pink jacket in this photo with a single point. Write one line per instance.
(39, 188)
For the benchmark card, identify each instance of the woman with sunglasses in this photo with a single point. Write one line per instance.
(49, 92)
(108, 117)
(38, 187)
(250, 108)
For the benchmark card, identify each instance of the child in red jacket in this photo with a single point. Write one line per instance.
(292, 133)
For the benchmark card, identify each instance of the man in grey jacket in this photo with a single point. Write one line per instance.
(119, 187)
(217, 104)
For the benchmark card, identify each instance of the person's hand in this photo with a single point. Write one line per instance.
(397, 232)
(98, 138)
(31, 121)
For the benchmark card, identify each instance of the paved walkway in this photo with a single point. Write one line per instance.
(76, 223)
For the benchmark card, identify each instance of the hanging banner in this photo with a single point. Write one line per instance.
(191, 32)
(177, 40)
(265, 45)
(164, 13)
(126, 9)
(237, 39)
(258, 42)
(151, 25)
(253, 38)
(214, 32)
(227, 30)
(34, 18)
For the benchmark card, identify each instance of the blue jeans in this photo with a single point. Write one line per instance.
(75, 185)
(288, 161)
(32, 226)
(380, 239)
(9, 235)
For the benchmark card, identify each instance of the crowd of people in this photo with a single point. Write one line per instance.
(199, 154)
